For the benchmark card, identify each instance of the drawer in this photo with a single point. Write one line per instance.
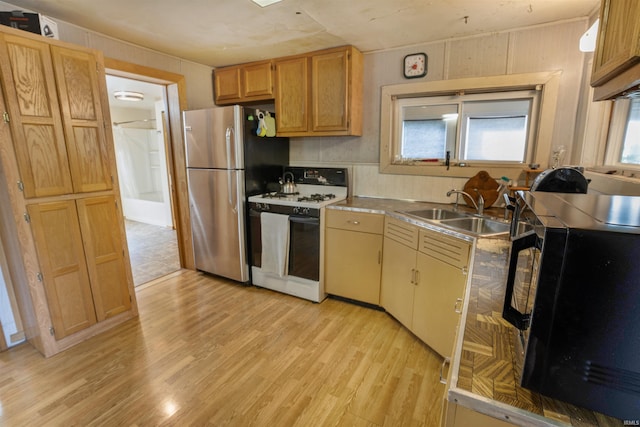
(355, 221)
(401, 232)
(445, 248)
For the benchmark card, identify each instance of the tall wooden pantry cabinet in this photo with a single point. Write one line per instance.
(59, 166)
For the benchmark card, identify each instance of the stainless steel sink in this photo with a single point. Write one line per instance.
(437, 214)
(478, 226)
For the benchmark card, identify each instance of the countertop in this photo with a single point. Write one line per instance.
(483, 376)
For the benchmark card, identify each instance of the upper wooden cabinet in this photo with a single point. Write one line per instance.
(316, 94)
(83, 119)
(243, 83)
(320, 94)
(34, 116)
(54, 108)
(292, 105)
(617, 49)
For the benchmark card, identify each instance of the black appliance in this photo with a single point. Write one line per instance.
(561, 180)
(573, 291)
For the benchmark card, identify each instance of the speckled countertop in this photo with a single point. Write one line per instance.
(483, 376)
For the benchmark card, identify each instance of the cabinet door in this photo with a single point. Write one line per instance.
(36, 122)
(354, 262)
(66, 281)
(397, 288)
(226, 83)
(82, 115)
(257, 81)
(292, 101)
(330, 91)
(618, 39)
(439, 293)
(104, 251)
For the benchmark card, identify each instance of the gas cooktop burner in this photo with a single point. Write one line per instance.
(278, 195)
(316, 198)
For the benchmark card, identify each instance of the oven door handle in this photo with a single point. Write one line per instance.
(304, 219)
(510, 314)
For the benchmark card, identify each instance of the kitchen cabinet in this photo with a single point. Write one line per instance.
(353, 255)
(615, 63)
(397, 286)
(81, 261)
(423, 280)
(320, 93)
(243, 83)
(618, 42)
(70, 229)
(54, 107)
(442, 264)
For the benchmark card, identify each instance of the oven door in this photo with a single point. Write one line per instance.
(304, 247)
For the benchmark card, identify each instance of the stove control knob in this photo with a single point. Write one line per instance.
(305, 211)
(296, 209)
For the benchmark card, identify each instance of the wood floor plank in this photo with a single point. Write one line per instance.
(207, 351)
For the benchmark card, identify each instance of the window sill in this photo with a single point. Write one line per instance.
(513, 172)
(602, 181)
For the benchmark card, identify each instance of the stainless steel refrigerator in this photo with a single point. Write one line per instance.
(226, 163)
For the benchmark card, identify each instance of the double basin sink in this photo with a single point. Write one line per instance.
(467, 223)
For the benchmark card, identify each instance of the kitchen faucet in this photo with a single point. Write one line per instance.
(479, 206)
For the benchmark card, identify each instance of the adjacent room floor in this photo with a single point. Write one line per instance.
(153, 251)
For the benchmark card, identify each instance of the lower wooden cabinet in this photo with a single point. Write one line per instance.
(82, 261)
(353, 255)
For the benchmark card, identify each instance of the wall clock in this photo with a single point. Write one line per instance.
(415, 65)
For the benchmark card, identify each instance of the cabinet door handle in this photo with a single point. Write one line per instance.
(457, 307)
(379, 257)
(413, 276)
(417, 277)
(446, 361)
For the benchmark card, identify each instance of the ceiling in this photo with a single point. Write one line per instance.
(225, 32)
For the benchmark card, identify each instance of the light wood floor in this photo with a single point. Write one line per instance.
(209, 352)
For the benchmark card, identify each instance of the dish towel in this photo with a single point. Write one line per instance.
(275, 243)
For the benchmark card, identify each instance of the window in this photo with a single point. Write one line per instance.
(631, 143)
(623, 144)
(488, 127)
(494, 123)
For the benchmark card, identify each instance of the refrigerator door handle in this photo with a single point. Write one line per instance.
(228, 141)
(230, 193)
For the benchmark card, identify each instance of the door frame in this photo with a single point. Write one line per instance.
(176, 103)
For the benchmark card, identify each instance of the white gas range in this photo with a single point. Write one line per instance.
(287, 232)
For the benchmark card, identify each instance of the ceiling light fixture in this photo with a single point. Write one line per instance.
(126, 95)
(265, 3)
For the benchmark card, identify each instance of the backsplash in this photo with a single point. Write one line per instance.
(367, 181)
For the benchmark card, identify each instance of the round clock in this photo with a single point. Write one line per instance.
(415, 65)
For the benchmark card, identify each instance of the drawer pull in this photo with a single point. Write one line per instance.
(457, 307)
(353, 222)
(446, 361)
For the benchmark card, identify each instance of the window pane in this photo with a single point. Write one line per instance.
(631, 144)
(498, 139)
(424, 139)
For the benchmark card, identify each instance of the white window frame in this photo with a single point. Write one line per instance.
(615, 140)
(547, 83)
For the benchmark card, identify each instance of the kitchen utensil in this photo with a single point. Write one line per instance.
(289, 187)
(486, 186)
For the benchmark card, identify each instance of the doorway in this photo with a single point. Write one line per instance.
(139, 125)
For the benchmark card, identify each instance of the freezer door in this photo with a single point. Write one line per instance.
(216, 199)
(214, 138)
